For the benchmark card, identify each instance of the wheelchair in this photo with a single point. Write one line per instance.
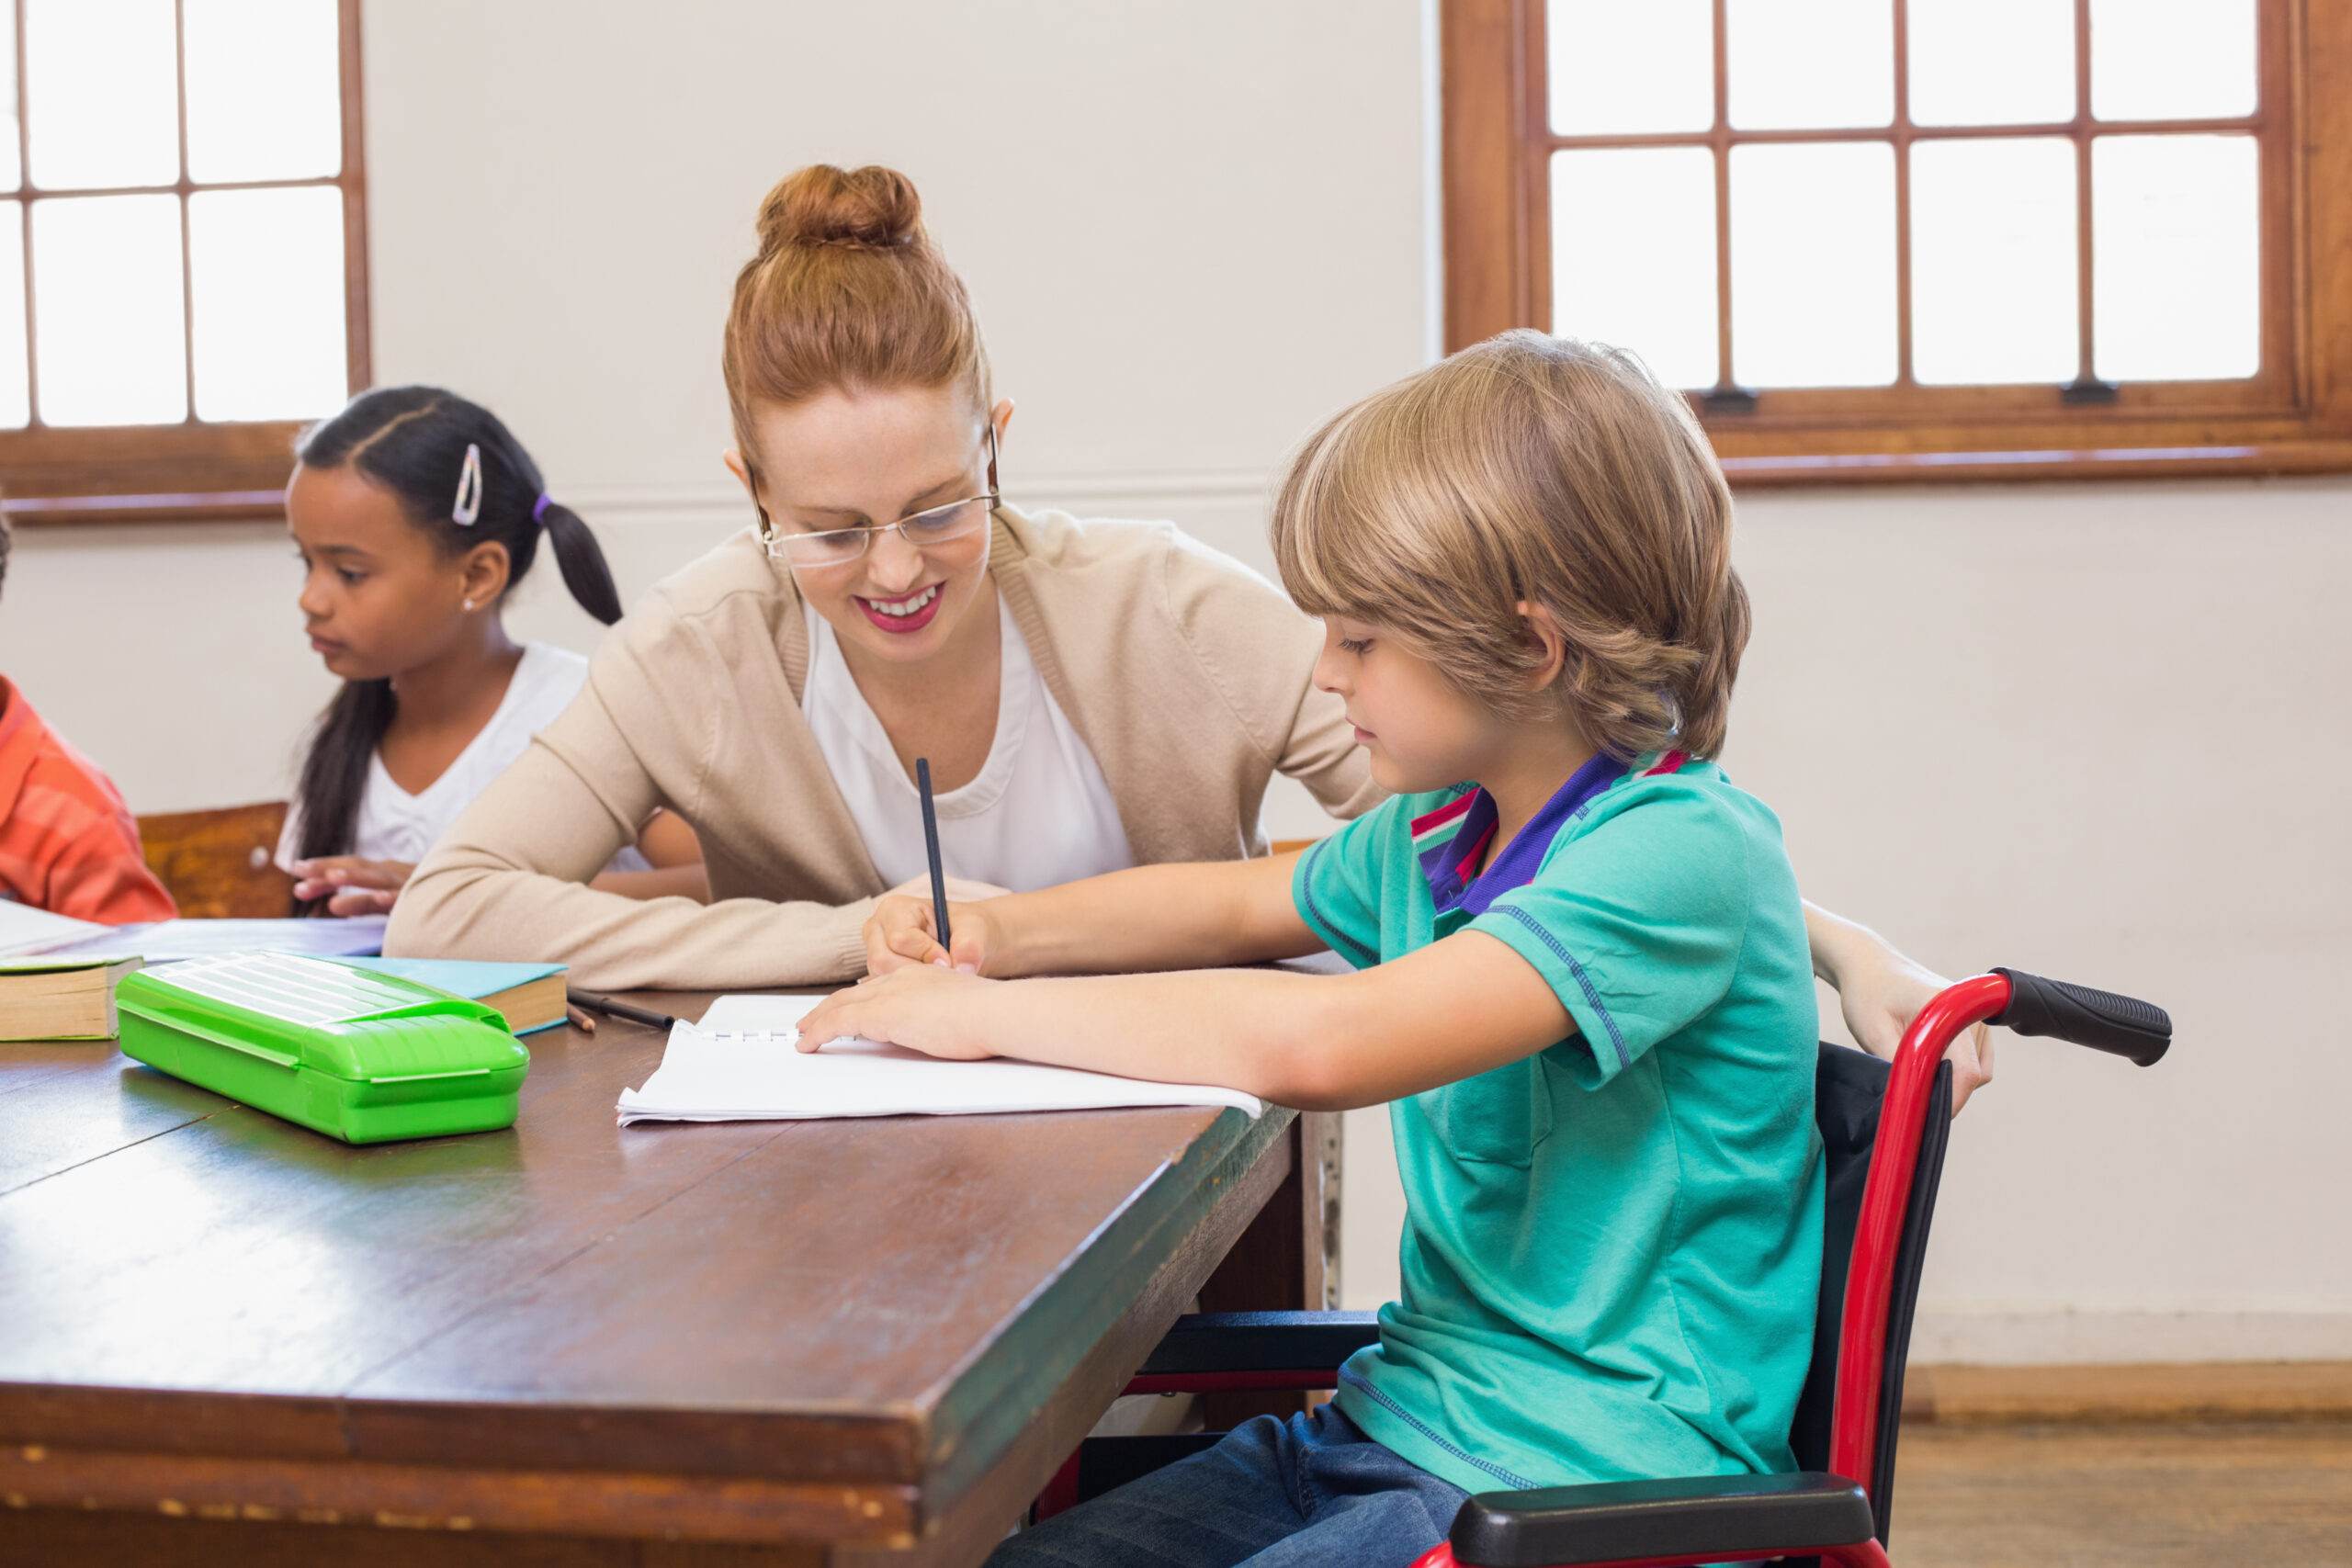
(1883, 1132)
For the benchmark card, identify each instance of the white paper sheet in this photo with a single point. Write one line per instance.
(163, 942)
(24, 929)
(739, 1065)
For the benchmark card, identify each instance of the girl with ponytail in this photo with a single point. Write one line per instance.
(414, 511)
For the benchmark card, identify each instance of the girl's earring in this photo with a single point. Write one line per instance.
(469, 605)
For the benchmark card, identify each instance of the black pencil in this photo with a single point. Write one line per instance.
(931, 848)
(621, 1010)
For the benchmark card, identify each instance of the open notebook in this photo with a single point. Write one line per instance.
(739, 1065)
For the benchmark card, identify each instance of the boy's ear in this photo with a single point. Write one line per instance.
(1542, 630)
(483, 572)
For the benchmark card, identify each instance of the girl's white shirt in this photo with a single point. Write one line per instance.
(1040, 813)
(395, 825)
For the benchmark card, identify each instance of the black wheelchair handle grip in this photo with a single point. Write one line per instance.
(2124, 1026)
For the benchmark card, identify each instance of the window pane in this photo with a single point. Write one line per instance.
(15, 403)
(1618, 68)
(1634, 256)
(1810, 64)
(1991, 62)
(1994, 287)
(102, 81)
(1813, 265)
(11, 176)
(107, 303)
(264, 90)
(267, 267)
(2172, 59)
(2176, 277)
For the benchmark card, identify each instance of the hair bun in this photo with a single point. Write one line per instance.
(872, 208)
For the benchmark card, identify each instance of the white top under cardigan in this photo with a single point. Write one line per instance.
(395, 825)
(1039, 814)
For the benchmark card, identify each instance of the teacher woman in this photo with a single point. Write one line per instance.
(1090, 695)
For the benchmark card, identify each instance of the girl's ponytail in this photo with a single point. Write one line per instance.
(580, 560)
(334, 773)
(420, 443)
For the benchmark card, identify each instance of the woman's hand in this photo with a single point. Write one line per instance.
(1881, 991)
(352, 885)
(900, 934)
(919, 1006)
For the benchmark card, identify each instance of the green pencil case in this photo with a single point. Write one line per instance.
(360, 1056)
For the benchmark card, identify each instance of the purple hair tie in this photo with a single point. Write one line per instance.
(539, 507)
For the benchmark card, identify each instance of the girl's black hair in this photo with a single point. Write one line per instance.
(411, 441)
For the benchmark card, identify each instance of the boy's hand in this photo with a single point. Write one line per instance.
(922, 1006)
(960, 889)
(352, 885)
(899, 933)
(1881, 1000)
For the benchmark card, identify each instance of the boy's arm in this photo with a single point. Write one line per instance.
(1881, 991)
(1153, 917)
(1462, 1005)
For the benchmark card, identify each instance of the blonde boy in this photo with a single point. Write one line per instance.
(1581, 980)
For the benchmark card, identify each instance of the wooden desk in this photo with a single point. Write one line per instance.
(226, 1339)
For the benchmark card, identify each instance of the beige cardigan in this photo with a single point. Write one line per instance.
(1187, 675)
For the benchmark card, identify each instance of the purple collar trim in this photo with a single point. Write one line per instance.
(1450, 866)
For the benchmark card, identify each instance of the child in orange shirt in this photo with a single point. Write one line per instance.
(68, 842)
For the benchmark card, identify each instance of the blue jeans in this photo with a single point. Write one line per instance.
(1297, 1494)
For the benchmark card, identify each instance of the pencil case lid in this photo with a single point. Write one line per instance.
(330, 1019)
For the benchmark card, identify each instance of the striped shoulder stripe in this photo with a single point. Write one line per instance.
(1671, 763)
(1444, 816)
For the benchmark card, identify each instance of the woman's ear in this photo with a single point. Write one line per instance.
(482, 574)
(1542, 628)
(1001, 416)
(736, 465)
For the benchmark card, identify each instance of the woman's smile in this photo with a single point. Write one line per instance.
(908, 613)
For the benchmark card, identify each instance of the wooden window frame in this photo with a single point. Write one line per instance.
(194, 471)
(2294, 416)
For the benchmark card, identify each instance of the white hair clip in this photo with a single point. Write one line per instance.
(469, 505)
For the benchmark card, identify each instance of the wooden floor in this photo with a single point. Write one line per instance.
(2234, 1495)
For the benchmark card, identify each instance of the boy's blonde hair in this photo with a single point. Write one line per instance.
(1532, 467)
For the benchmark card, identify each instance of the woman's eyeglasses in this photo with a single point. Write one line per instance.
(926, 529)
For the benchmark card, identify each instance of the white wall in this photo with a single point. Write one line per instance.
(1190, 232)
(2095, 731)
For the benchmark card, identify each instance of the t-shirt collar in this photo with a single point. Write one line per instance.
(1451, 839)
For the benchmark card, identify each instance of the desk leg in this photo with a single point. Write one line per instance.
(1287, 1261)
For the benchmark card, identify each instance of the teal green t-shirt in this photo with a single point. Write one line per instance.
(1612, 1247)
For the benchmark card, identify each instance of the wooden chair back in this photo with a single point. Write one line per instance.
(218, 864)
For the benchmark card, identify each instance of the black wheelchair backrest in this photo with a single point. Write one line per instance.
(1848, 1086)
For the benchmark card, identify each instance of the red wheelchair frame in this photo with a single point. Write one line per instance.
(1698, 1520)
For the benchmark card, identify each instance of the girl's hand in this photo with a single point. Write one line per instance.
(1881, 996)
(352, 885)
(920, 1006)
(899, 933)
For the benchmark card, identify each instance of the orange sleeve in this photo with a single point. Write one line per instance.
(71, 846)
